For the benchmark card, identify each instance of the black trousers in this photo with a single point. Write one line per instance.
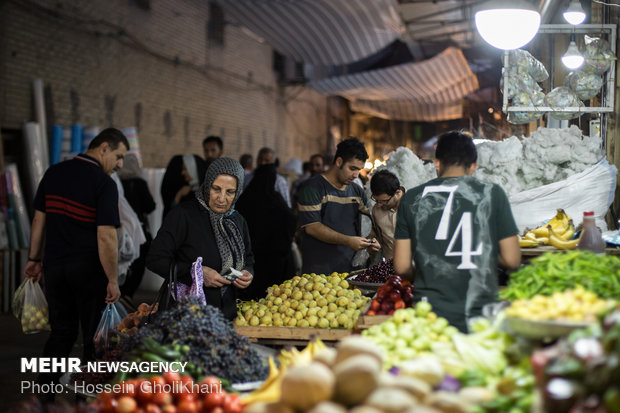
(75, 293)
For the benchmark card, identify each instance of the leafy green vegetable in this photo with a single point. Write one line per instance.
(559, 271)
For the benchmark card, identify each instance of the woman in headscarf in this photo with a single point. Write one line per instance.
(272, 225)
(184, 175)
(211, 228)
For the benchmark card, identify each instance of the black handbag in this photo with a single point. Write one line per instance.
(165, 297)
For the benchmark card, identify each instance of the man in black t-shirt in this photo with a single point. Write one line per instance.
(457, 229)
(76, 213)
(329, 207)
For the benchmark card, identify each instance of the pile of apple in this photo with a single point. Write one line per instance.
(395, 294)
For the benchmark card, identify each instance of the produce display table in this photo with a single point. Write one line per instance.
(536, 251)
(366, 321)
(291, 335)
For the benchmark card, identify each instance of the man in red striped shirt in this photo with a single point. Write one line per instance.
(74, 244)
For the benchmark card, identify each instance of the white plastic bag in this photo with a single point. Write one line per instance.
(34, 315)
(590, 190)
(106, 330)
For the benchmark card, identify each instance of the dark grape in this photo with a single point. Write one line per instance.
(377, 273)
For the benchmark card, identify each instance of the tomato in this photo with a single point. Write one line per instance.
(129, 388)
(126, 404)
(162, 399)
(152, 408)
(101, 397)
(187, 383)
(157, 382)
(185, 396)
(211, 382)
(169, 408)
(108, 405)
(217, 410)
(187, 406)
(232, 404)
(171, 377)
(144, 392)
(212, 400)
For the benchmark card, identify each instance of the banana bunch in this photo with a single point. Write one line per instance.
(557, 232)
(270, 390)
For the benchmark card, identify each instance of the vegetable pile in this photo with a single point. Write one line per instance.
(214, 346)
(582, 372)
(557, 272)
(169, 393)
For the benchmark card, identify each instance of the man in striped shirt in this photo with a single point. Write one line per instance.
(329, 212)
(74, 243)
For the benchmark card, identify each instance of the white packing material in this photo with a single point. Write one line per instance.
(131, 235)
(589, 190)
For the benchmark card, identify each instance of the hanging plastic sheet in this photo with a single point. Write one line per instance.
(134, 146)
(34, 156)
(39, 109)
(16, 201)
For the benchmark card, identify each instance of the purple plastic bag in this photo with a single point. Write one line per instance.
(197, 283)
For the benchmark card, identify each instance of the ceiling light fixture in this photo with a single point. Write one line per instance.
(572, 59)
(508, 25)
(574, 14)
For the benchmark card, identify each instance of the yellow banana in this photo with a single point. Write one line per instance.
(527, 243)
(560, 243)
(543, 240)
(569, 232)
(559, 223)
(269, 394)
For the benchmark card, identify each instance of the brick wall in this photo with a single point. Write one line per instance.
(111, 63)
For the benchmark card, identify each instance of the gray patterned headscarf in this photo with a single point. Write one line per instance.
(227, 235)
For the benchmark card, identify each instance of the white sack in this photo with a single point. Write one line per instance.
(590, 190)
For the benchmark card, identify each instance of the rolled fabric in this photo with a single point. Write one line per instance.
(76, 138)
(56, 146)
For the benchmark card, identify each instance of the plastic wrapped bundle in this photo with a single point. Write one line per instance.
(585, 85)
(597, 56)
(518, 84)
(531, 99)
(524, 62)
(560, 98)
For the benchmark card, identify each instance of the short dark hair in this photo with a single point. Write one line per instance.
(384, 182)
(266, 149)
(318, 155)
(349, 149)
(306, 167)
(215, 139)
(456, 148)
(112, 136)
(245, 160)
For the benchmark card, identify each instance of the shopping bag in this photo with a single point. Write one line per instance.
(34, 315)
(106, 330)
(17, 304)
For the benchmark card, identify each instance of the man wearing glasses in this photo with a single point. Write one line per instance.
(386, 192)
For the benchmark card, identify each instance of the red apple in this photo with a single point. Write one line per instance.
(387, 306)
(375, 304)
(395, 295)
(398, 304)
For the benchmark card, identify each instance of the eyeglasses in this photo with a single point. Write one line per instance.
(383, 201)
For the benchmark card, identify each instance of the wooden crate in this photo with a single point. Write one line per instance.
(291, 335)
(366, 321)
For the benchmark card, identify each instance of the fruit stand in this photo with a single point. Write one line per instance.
(407, 359)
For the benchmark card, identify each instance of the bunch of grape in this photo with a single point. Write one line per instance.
(377, 273)
(215, 347)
